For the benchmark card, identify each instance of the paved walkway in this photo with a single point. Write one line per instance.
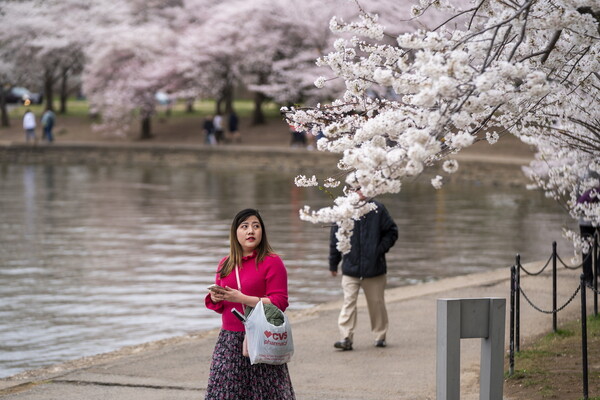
(178, 368)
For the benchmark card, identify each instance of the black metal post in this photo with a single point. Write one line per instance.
(584, 358)
(518, 305)
(511, 357)
(595, 269)
(554, 325)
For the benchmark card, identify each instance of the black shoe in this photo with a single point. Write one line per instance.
(345, 344)
(380, 343)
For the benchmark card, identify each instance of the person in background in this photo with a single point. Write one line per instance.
(234, 132)
(48, 119)
(262, 276)
(298, 138)
(29, 126)
(364, 266)
(218, 125)
(209, 131)
(587, 231)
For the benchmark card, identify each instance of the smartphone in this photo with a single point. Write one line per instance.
(238, 314)
(215, 287)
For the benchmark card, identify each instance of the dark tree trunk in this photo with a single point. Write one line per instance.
(3, 111)
(146, 132)
(49, 90)
(219, 106)
(258, 117)
(228, 98)
(229, 104)
(64, 89)
(189, 106)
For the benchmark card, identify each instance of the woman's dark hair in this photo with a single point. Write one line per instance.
(235, 248)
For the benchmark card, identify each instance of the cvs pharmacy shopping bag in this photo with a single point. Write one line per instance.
(268, 343)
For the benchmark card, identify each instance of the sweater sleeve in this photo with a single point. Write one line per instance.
(334, 254)
(276, 282)
(389, 230)
(217, 307)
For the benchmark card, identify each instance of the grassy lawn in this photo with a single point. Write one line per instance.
(77, 107)
(180, 126)
(551, 366)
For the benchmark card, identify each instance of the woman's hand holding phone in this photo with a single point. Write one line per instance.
(216, 293)
(215, 288)
(219, 293)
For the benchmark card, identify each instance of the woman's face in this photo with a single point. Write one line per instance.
(249, 234)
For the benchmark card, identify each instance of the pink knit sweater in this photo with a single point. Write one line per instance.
(268, 280)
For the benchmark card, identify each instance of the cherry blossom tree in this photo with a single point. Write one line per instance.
(286, 38)
(127, 64)
(6, 73)
(10, 74)
(281, 41)
(190, 48)
(528, 68)
(207, 53)
(18, 63)
(48, 46)
(267, 46)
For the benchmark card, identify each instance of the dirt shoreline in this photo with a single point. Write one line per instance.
(187, 131)
(76, 142)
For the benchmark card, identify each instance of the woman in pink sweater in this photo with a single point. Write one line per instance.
(262, 275)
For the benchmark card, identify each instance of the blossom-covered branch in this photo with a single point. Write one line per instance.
(523, 67)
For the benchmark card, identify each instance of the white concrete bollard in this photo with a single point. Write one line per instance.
(470, 318)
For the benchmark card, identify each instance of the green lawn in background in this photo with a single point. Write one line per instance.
(77, 107)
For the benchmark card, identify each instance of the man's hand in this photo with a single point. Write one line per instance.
(334, 273)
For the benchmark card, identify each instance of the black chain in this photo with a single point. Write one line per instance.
(592, 289)
(575, 266)
(536, 273)
(589, 254)
(554, 311)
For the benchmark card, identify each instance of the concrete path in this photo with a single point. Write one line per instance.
(178, 368)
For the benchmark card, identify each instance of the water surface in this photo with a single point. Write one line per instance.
(96, 258)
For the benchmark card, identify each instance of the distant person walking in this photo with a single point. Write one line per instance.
(209, 131)
(234, 132)
(364, 266)
(29, 126)
(48, 119)
(298, 137)
(218, 124)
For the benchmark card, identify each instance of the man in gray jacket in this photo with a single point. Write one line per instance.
(364, 266)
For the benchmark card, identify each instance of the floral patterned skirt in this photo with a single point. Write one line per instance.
(232, 377)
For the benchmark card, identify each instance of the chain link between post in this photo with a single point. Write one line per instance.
(535, 273)
(553, 311)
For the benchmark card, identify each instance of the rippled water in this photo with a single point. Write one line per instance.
(96, 258)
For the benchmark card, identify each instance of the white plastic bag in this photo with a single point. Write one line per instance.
(267, 343)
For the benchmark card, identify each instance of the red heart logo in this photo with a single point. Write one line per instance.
(268, 334)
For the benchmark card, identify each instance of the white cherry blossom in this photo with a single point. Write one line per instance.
(530, 69)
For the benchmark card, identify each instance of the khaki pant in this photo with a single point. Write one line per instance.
(374, 289)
